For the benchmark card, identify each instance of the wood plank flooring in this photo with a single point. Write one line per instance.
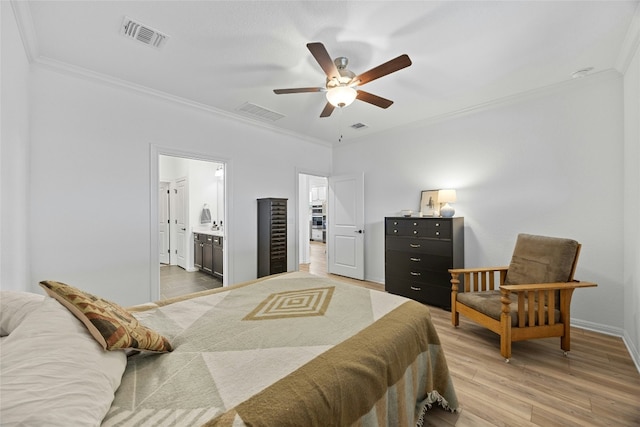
(597, 384)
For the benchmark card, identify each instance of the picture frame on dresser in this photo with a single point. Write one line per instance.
(429, 203)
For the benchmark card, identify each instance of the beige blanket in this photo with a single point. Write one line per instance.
(293, 349)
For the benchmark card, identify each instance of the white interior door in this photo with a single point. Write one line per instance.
(345, 223)
(163, 226)
(181, 201)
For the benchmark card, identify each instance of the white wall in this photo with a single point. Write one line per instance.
(90, 193)
(550, 163)
(632, 206)
(14, 156)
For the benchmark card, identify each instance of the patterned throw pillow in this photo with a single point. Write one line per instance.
(111, 325)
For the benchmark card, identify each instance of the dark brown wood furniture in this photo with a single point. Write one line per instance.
(272, 236)
(418, 254)
(208, 254)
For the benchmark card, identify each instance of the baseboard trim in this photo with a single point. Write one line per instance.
(609, 330)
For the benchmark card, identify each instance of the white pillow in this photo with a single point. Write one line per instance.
(54, 373)
(14, 307)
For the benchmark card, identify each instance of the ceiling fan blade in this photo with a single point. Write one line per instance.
(376, 100)
(321, 55)
(328, 109)
(388, 67)
(298, 90)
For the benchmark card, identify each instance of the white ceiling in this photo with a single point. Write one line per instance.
(222, 54)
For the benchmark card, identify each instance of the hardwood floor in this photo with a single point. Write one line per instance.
(597, 384)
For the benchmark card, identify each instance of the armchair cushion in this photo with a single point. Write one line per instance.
(489, 303)
(541, 259)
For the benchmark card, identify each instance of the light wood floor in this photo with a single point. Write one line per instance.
(596, 385)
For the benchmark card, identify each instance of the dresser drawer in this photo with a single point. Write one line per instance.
(403, 261)
(432, 295)
(432, 228)
(426, 246)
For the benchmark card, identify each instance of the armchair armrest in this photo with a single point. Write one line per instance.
(548, 286)
(545, 294)
(478, 279)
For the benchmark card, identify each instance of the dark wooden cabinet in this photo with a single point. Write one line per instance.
(207, 253)
(218, 270)
(418, 254)
(272, 236)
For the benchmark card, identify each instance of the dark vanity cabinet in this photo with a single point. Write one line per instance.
(418, 254)
(207, 253)
(217, 257)
(272, 236)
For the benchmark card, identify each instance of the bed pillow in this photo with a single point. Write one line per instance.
(14, 307)
(54, 373)
(111, 325)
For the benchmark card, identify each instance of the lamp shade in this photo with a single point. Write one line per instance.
(446, 196)
(341, 96)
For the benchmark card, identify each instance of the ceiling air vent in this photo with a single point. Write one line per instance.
(142, 33)
(358, 126)
(259, 112)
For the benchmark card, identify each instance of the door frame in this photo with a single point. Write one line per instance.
(298, 201)
(155, 151)
(167, 237)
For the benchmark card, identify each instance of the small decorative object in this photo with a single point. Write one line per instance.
(445, 197)
(429, 203)
(407, 212)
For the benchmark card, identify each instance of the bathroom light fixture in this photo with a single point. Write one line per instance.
(341, 96)
(446, 197)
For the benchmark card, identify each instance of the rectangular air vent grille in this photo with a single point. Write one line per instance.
(358, 126)
(142, 33)
(260, 112)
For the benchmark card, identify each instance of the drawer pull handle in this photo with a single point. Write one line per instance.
(437, 224)
(413, 245)
(415, 288)
(415, 231)
(414, 273)
(415, 224)
(415, 259)
(437, 233)
(395, 231)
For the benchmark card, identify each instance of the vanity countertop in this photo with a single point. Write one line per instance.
(207, 230)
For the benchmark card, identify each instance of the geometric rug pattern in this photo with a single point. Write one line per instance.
(299, 303)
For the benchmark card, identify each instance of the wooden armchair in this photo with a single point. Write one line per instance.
(530, 298)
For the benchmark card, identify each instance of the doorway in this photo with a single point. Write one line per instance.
(186, 185)
(312, 236)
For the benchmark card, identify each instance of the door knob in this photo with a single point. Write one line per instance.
(359, 231)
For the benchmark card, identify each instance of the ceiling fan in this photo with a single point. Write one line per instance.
(342, 84)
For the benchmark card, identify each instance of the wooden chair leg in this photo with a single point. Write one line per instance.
(505, 325)
(455, 316)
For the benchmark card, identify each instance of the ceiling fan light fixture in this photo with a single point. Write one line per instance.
(341, 96)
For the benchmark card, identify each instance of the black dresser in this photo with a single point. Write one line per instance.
(418, 254)
(272, 236)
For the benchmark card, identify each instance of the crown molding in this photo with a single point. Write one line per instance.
(27, 31)
(570, 84)
(630, 44)
(75, 71)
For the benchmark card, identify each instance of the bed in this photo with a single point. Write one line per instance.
(290, 349)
